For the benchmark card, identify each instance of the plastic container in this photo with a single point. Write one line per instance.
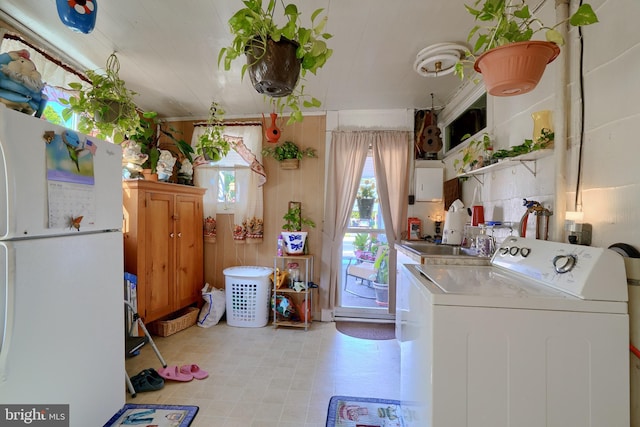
(382, 294)
(247, 295)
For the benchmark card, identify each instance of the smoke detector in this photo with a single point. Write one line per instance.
(439, 59)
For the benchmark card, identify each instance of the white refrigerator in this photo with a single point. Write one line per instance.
(61, 270)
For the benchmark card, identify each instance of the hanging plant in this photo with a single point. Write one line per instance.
(106, 106)
(255, 31)
(212, 144)
(503, 42)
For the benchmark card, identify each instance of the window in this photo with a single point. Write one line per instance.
(466, 114)
(233, 185)
(471, 121)
(53, 111)
(222, 177)
(56, 75)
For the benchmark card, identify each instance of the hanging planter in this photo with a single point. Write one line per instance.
(365, 207)
(515, 68)
(290, 164)
(503, 46)
(273, 67)
(256, 32)
(288, 154)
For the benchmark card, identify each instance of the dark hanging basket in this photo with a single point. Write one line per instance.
(112, 111)
(276, 73)
(365, 207)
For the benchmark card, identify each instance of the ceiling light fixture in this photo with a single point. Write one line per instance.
(439, 59)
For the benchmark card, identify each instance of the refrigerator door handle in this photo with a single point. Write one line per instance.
(6, 307)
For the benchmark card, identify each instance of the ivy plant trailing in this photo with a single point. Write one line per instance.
(106, 105)
(252, 26)
(508, 21)
(212, 144)
(288, 150)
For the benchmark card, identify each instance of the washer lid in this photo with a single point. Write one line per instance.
(488, 286)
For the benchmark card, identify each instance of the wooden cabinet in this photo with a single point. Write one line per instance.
(163, 245)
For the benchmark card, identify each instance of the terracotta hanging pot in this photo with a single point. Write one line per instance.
(515, 68)
(276, 73)
(272, 133)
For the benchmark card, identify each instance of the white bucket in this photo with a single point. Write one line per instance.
(294, 241)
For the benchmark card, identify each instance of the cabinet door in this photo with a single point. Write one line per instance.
(189, 242)
(159, 255)
(429, 182)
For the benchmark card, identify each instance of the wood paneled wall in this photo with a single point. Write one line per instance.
(305, 185)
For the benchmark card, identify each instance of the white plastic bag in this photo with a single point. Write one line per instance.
(213, 308)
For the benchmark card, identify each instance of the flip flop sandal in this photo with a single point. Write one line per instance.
(147, 372)
(153, 374)
(173, 373)
(146, 383)
(195, 371)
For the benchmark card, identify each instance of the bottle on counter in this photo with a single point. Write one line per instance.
(280, 249)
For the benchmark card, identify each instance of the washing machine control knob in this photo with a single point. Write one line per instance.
(564, 263)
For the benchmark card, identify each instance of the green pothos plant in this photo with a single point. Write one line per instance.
(294, 219)
(211, 143)
(105, 106)
(288, 150)
(501, 22)
(253, 25)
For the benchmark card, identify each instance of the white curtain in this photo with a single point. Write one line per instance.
(347, 155)
(248, 206)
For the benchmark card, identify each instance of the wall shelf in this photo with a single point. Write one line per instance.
(523, 159)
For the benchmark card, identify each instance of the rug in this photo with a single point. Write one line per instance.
(153, 415)
(367, 330)
(346, 411)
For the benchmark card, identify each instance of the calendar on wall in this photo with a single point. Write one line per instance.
(70, 181)
(70, 201)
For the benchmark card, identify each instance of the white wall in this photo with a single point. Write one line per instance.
(610, 189)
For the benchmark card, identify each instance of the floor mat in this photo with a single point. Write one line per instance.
(347, 411)
(153, 415)
(367, 330)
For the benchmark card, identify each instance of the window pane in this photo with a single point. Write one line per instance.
(365, 213)
(53, 110)
(226, 186)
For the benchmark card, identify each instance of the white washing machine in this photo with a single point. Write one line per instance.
(539, 337)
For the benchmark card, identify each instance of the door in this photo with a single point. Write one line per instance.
(188, 241)
(159, 238)
(360, 297)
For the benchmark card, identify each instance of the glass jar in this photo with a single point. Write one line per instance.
(294, 273)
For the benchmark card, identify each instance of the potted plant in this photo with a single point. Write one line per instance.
(211, 144)
(147, 136)
(381, 277)
(545, 141)
(106, 106)
(503, 44)
(365, 198)
(293, 236)
(288, 154)
(477, 153)
(272, 50)
(360, 243)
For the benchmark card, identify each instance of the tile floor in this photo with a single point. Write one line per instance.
(266, 377)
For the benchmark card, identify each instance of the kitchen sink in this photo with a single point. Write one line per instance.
(432, 249)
